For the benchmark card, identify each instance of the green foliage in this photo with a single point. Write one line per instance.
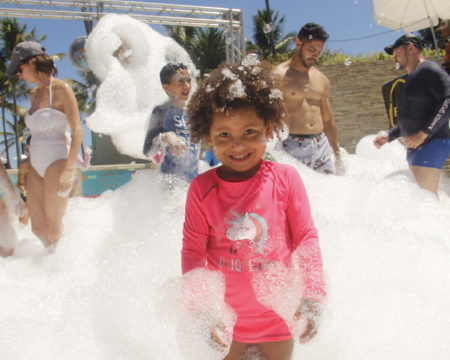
(338, 57)
(329, 57)
(426, 36)
(205, 46)
(8, 135)
(208, 49)
(11, 88)
(261, 36)
(85, 92)
(183, 35)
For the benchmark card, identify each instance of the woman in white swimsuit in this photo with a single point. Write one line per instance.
(53, 152)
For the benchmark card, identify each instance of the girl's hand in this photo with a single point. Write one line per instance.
(66, 181)
(310, 310)
(221, 335)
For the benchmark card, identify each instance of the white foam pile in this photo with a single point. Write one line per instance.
(127, 55)
(112, 288)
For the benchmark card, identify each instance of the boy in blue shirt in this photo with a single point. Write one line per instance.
(168, 139)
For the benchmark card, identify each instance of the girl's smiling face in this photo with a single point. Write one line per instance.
(238, 139)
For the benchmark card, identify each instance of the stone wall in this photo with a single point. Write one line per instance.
(356, 99)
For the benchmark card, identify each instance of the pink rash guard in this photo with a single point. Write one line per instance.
(243, 227)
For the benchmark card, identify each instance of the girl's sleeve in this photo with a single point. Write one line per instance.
(195, 231)
(305, 238)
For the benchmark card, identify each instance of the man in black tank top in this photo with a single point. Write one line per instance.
(423, 112)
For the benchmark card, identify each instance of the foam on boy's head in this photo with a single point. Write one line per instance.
(236, 86)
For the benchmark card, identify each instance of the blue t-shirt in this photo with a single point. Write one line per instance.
(166, 118)
(187, 165)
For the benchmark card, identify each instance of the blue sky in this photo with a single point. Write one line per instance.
(343, 20)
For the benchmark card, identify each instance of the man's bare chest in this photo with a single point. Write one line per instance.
(302, 92)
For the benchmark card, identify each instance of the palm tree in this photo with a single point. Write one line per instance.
(266, 23)
(12, 33)
(206, 47)
(426, 36)
(85, 92)
(11, 130)
(9, 138)
(209, 49)
(9, 87)
(183, 35)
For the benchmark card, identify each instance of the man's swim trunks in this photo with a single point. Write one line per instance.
(433, 154)
(312, 150)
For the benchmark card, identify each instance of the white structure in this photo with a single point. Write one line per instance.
(126, 55)
(131, 131)
(230, 20)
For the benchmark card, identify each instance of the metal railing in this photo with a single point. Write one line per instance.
(230, 20)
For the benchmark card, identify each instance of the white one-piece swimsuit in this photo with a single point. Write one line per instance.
(50, 136)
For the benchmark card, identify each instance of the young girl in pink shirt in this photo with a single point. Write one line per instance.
(249, 215)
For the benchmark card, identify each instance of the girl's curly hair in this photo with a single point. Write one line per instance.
(236, 86)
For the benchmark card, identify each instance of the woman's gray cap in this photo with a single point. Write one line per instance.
(22, 52)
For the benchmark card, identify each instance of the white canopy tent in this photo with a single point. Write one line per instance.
(411, 15)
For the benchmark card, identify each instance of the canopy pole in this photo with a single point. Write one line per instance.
(432, 28)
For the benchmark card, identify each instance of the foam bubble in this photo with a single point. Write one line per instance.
(267, 28)
(237, 90)
(276, 94)
(227, 73)
(200, 313)
(250, 60)
(102, 292)
(127, 56)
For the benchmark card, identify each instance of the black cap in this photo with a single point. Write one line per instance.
(22, 52)
(404, 40)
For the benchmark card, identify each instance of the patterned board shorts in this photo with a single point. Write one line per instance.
(312, 150)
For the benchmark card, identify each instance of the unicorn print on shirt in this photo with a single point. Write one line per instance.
(251, 227)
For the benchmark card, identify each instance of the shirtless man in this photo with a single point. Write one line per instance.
(312, 128)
